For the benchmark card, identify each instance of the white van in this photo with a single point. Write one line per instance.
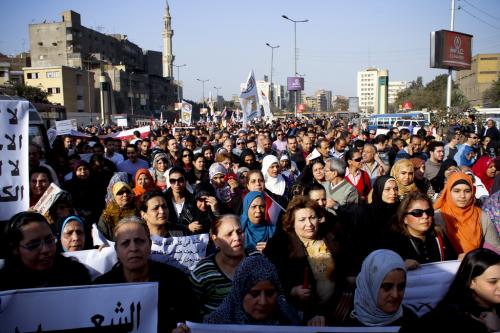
(410, 123)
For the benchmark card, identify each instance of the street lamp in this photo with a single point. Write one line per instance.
(203, 89)
(295, 49)
(217, 97)
(131, 92)
(178, 81)
(272, 57)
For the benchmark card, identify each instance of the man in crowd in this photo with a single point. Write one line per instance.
(323, 148)
(472, 141)
(34, 155)
(110, 153)
(173, 150)
(307, 146)
(491, 130)
(372, 164)
(339, 192)
(133, 162)
(338, 149)
(294, 152)
(436, 155)
(279, 145)
(451, 148)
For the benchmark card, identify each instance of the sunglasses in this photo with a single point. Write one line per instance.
(359, 159)
(122, 192)
(186, 155)
(36, 245)
(179, 180)
(420, 212)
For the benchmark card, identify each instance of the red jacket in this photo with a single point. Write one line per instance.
(364, 185)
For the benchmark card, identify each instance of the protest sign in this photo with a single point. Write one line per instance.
(14, 179)
(127, 307)
(49, 197)
(64, 127)
(427, 285)
(186, 112)
(97, 262)
(182, 252)
(249, 99)
(211, 328)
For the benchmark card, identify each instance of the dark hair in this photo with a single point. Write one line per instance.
(415, 136)
(131, 146)
(422, 133)
(197, 156)
(41, 169)
(399, 224)
(251, 172)
(381, 138)
(404, 131)
(359, 144)
(299, 202)
(148, 196)
(434, 144)
(312, 187)
(473, 265)
(14, 234)
(291, 137)
(214, 228)
(349, 154)
(97, 145)
(182, 153)
(137, 133)
(178, 170)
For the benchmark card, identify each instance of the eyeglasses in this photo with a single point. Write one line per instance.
(186, 155)
(241, 143)
(122, 192)
(280, 134)
(179, 180)
(420, 212)
(359, 159)
(36, 245)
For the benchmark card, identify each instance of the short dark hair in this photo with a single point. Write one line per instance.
(14, 234)
(404, 131)
(130, 145)
(434, 144)
(41, 169)
(177, 170)
(299, 202)
(381, 138)
(312, 187)
(148, 196)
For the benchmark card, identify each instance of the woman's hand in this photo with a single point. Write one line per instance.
(301, 293)
(260, 246)
(318, 321)
(461, 256)
(411, 264)
(233, 184)
(212, 202)
(194, 226)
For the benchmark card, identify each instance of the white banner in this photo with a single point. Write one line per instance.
(49, 197)
(249, 99)
(265, 105)
(427, 285)
(144, 130)
(14, 168)
(97, 262)
(128, 307)
(64, 127)
(211, 328)
(181, 252)
(186, 111)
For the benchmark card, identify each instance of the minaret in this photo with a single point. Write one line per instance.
(168, 57)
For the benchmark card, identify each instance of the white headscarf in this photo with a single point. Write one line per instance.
(373, 271)
(275, 185)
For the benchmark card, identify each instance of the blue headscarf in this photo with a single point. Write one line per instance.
(463, 156)
(373, 271)
(66, 221)
(255, 233)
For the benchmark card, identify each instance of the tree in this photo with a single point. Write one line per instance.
(341, 104)
(492, 95)
(32, 94)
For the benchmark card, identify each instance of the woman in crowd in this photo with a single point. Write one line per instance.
(445, 170)
(154, 211)
(403, 172)
(308, 257)
(157, 171)
(423, 184)
(123, 205)
(205, 209)
(255, 298)
(355, 176)
(314, 172)
(224, 158)
(198, 173)
(186, 160)
(85, 192)
(179, 199)
(117, 177)
(208, 153)
(485, 170)
(248, 159)
(380, 287)
(415, 238)
(40, 179)
(144, 182)
(258, 231)
(212, 278)
(133, 247)
(226, 190)
(289, 168)
(73, 234)
(32, 261)
(472, 303)
(465, 224)
(276, 184)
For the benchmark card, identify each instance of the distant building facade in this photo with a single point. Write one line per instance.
(372, 90)
(395, 87)
(485, 69)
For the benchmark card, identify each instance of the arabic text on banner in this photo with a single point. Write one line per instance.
(249, 99)
(182, 252)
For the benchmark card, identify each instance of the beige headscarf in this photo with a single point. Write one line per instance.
(396, 169)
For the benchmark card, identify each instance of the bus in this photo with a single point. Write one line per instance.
(384, 122)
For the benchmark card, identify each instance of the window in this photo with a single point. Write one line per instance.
(51, 75)
(56, 90)
(79, 97)
(32, 75)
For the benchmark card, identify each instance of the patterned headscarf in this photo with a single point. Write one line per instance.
(252, 270)
(117, 177)
(396, 169)
(375, 267)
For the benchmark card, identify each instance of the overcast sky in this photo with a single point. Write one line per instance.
(222, 40)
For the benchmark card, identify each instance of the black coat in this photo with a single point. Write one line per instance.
(186, 214)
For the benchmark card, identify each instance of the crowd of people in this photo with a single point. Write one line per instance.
(311, 222)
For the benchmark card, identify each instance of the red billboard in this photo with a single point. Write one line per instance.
(407, 105)
(451, 49)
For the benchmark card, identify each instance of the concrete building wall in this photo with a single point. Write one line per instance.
(394, 88)
(367, 89)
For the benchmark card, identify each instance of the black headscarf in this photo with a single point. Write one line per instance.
(382, 211)
(438, 181)
(252, 166)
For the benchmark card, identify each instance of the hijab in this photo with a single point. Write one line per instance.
(246, 152)
(276, 185)
(463, 225)
(255, 233)
(138, 189)
(375, 267)
(403, 189)
(479, 169)
(384, 211)
(158, 176)
(224, 193)
(63, 225)
(252, 270)
(117, 177)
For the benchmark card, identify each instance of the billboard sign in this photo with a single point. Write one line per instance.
(451, 49)
(295, 83)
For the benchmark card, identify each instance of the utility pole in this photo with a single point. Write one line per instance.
(217, 97)
(271, 74)
(450, 71)
(203, 89)
(178, 81)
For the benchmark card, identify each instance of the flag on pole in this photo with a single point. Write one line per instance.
(186, 112)
(211, 104)
(265, 105)
(249, 99)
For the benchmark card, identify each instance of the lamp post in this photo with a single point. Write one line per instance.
(217, 97)
(203, 89)
(295, 49)
(272, 58)
(131, 92)
(178, 81)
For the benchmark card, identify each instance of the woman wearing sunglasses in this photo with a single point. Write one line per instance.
(32, 261)
(466, 225)
(354, 175)
(415, 238)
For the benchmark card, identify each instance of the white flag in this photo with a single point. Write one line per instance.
(186, 112)
(249, 99)
(211, 104)
(265, 105)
